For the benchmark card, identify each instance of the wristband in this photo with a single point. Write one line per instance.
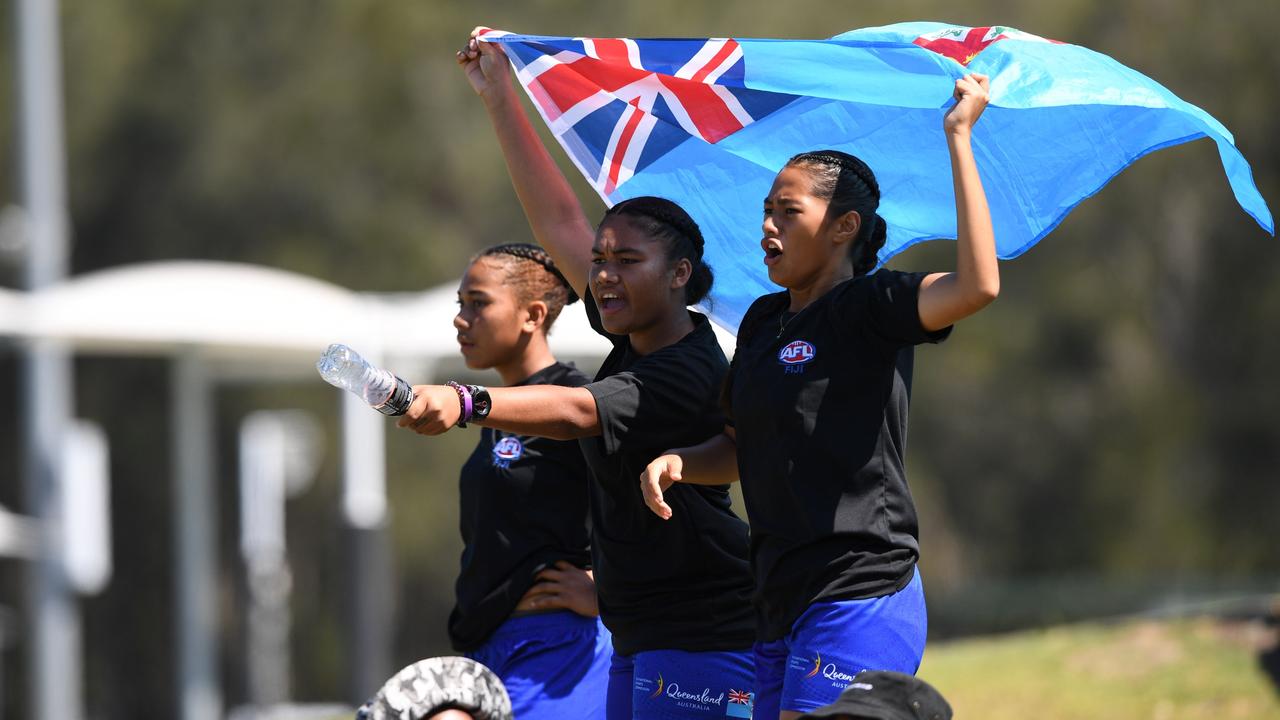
(481, 402)
(464, 403)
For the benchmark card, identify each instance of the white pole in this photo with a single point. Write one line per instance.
(264, 478)
(195, 559)
(86, 510)
(43, 162)
(364, 505)
(19, 536)
(364, 464)
(54, 645)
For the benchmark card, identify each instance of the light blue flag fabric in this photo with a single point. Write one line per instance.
(708, 123)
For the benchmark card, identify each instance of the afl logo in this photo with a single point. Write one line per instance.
(796, 352)
(507, 450)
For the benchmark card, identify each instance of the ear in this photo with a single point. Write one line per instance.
(845, 228)
(681, 273)
(535, 316)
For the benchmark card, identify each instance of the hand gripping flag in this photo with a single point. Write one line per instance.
(708, 123)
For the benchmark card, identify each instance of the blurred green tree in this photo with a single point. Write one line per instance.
(1114, 416)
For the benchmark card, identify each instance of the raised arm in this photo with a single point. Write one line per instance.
(948, 297)
(713, 462)
(555, 215)
(550, 411)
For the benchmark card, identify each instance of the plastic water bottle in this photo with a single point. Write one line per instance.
(343, 367)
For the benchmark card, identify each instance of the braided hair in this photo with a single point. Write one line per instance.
(848, 184)
(661, 219)
(533, 275)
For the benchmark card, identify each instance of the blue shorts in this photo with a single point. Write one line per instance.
(833, 641)
(680, 685)
(555, 665)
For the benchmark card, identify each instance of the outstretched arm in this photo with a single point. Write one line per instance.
(550, 411)
(946, 298)
(555, 215)
(713, 462)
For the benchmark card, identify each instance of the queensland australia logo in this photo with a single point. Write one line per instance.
(795, 355)
(507, 450)
(827, 670)
(704, 700)
(830, 671)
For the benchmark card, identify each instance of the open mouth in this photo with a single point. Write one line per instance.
(610, 301)
(772, 250)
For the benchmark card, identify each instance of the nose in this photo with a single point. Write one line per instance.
(459, 322)
(604, 274)
(768, 227)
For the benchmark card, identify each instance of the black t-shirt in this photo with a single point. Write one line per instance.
(819, 401)
(683, 583)
(524, 506)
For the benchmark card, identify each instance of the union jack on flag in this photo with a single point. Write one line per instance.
(739, 705)
(617, 105)
(707, 123)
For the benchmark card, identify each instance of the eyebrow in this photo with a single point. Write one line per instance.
(619, 251)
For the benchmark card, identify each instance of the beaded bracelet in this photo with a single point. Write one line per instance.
(464, 403)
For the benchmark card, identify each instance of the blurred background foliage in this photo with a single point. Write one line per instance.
(1103, 439)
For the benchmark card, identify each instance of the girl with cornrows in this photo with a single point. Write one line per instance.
(526, 606)
(675, 595)
(818, 395)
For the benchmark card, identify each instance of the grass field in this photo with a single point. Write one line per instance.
(1199, 669)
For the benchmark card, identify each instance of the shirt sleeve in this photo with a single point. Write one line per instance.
(652, 402)
(887, 305)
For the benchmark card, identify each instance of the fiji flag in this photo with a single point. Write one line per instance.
(741, 703)
(708, 123)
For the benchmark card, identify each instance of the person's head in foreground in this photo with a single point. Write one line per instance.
(508, 299)
(440, 688)
(820, 218)
(646, 265)
(884, 695)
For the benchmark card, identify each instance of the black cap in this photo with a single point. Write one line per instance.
(884, 695)
(441, 683)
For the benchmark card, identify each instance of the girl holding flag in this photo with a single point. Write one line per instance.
(525, 605)
(818, 393)
(676, 596)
